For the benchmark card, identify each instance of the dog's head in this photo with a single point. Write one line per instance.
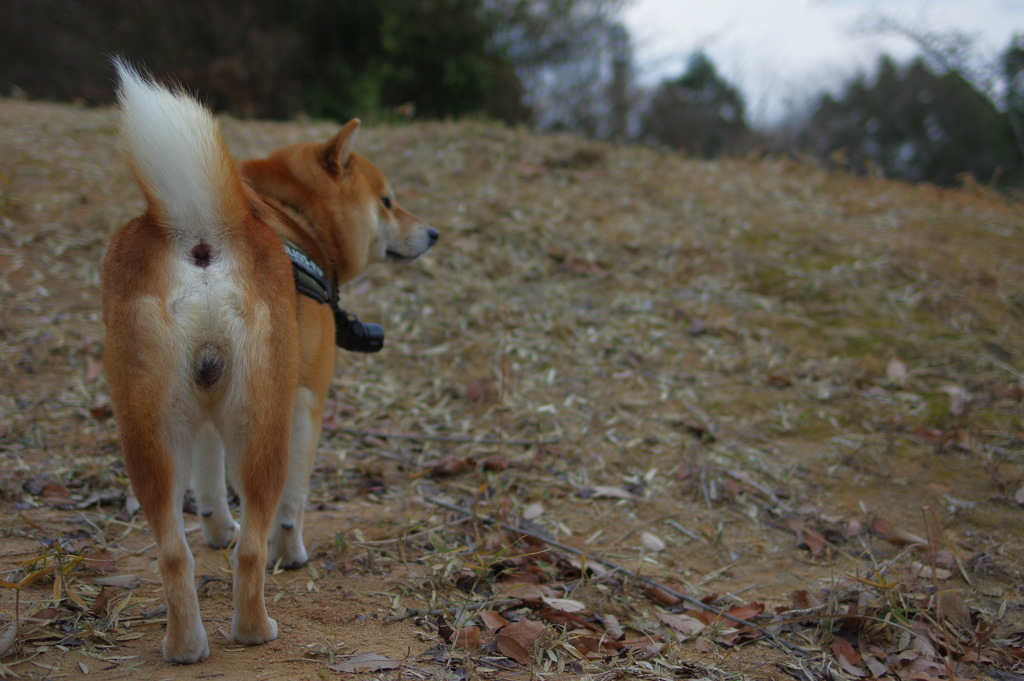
(363, 206)
(347, 199)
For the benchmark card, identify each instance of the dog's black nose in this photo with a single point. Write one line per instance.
(432, 234)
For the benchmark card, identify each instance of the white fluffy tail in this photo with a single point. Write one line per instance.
(179, 158)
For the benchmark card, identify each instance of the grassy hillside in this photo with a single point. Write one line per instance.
(756, 383)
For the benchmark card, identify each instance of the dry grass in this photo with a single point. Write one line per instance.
(745, 380)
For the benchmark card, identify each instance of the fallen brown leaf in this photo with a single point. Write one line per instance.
(662, 596)
(43, 616)
(100, 561)
(684, 624)
(889, 532)
(468, 637)
(492, 620)
(101, 604)
(802, 600)
(596, 644)
(451, 465)
(932, 436)
(477, 389)
(951, 606)
(814, 540)
(643, 648)
(563, 618)
(848, 657)
(102, 412)
(746, 612)
(515, 640)
(55, 494)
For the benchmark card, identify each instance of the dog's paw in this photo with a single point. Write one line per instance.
(218, 531)
(189, 648)
(253, 633)
(285, 549)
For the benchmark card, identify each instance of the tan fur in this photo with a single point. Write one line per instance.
(251, 376)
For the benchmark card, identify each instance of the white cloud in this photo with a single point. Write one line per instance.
(787, 49)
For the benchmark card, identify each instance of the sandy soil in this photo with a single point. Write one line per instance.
(752, 381)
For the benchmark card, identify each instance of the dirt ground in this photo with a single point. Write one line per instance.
(781, 392)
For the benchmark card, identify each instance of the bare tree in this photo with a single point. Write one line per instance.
(957, 52)
(563, 51)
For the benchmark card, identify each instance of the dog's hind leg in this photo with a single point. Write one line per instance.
(159, 473)
(208, 483)
(287, 549)
(257, 453)
(156, 441)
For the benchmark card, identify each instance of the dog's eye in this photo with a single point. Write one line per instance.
(386, 200)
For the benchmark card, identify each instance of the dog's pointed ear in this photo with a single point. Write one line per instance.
(338, 151)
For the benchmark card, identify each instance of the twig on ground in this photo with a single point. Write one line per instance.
(627, 572)
(689, 533)
(448, 438)
(747, 480)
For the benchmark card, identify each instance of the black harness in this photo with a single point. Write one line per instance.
(310, 280)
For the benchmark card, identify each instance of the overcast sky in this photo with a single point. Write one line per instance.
(779, 51)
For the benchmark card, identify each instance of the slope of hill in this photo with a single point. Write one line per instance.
(767, 387)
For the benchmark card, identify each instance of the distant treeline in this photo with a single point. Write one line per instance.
(909, 121)
(266, 58)
(552, 65)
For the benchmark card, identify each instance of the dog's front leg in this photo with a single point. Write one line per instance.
(287, 548)
(208, 483)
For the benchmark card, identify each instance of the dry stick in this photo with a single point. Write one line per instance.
(677, 526)
(932, 530)
(448, 438)
(760, 488)
(629, 573)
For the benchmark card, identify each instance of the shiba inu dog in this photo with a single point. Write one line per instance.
(220, 307)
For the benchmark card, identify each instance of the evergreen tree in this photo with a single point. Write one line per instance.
(699, 112)
(264, 58)
(1012, 62)
(431, 55)
(914, 124)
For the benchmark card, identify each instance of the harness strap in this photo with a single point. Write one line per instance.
(310, 280)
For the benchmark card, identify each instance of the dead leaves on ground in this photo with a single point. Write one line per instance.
(897, 617)
(901, 619)
(520, 640)
(85, 606)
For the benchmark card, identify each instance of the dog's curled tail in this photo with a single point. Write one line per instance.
(181, 163)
